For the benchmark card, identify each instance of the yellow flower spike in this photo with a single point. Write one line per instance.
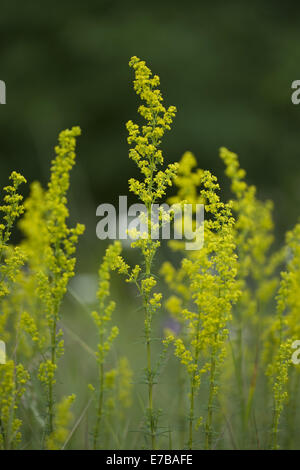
(284, 330)
(125, 377)
(145, 151)
(208, 277)
(112, 261)
(11, 258)
(257, 267)
(13, 380)
(62, 420)
(50, 246)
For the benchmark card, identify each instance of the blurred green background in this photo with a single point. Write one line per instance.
(226, 66)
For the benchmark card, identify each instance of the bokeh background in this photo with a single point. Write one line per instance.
(227, 67)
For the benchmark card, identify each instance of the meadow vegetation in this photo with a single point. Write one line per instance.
(189, 350)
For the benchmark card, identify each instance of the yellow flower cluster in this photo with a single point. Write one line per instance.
(34, 228)
(125, 377)
(285, 329)
(208, 277)
(112, 261)
(118, 385)
(33, 325)
(102, 317)
(12, 258)
(52, 265)
(13, 380)
(59, 261)
(147, 139)
(62, 421)
(145, 151)
(12, 207)
(257, 277)
(253, 232)
(288, 295)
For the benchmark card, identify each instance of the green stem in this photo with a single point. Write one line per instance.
(191, 416)
(53, 361)
(240, 376)
(181, 414)
(148, 321)
(150, 394)
(208, 427)
(277, 412)
(275, 430)
(193, 384)
(100, 406)
(292, 409)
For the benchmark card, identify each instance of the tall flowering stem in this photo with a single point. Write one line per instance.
(257, 277)
(285, 330)
(208, 278)
(107, 334)
(213, 282)
(59, 260)
(13, 378)
(145, 151)
(11, 257)
(33, 323)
